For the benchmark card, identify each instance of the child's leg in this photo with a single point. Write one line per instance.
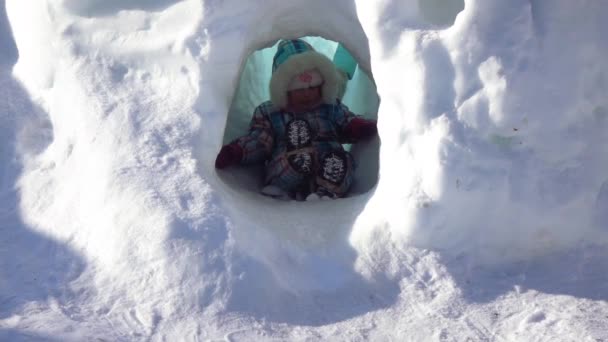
(289, 173)
(335, 173)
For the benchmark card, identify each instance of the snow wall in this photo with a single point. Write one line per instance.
(492, 144)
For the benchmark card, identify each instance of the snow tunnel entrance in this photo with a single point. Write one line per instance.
(360, 96)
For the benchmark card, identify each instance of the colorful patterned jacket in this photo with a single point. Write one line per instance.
(270, 136)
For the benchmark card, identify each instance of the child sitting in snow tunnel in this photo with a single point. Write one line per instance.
(299, 133)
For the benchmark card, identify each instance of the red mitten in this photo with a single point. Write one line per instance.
(229, 155)
(360, 129)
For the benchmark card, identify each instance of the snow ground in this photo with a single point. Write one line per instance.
(488, 222)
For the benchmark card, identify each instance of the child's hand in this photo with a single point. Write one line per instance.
(360, 129)
(229, 155)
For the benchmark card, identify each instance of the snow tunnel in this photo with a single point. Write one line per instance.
(360, 96)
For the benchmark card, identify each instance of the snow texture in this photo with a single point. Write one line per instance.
(488, 221)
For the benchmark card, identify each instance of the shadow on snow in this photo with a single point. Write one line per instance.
(33, 268)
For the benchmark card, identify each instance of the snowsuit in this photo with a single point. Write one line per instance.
(303, 151)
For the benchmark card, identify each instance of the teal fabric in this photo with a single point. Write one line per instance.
(345, 61)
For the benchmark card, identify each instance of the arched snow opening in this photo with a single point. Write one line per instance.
(360, 96)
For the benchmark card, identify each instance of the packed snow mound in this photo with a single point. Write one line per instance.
(496, 135)
(492, 150)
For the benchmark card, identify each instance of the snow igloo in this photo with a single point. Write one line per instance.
(458, 130)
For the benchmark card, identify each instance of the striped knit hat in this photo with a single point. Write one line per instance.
(294, 57)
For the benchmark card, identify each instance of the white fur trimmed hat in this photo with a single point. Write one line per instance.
(293, 57)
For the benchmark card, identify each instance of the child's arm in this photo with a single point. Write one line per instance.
(354, 128)
(254, 147)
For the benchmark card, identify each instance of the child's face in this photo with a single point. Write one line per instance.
(305, 98)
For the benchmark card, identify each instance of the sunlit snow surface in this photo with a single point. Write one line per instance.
(489, 220)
